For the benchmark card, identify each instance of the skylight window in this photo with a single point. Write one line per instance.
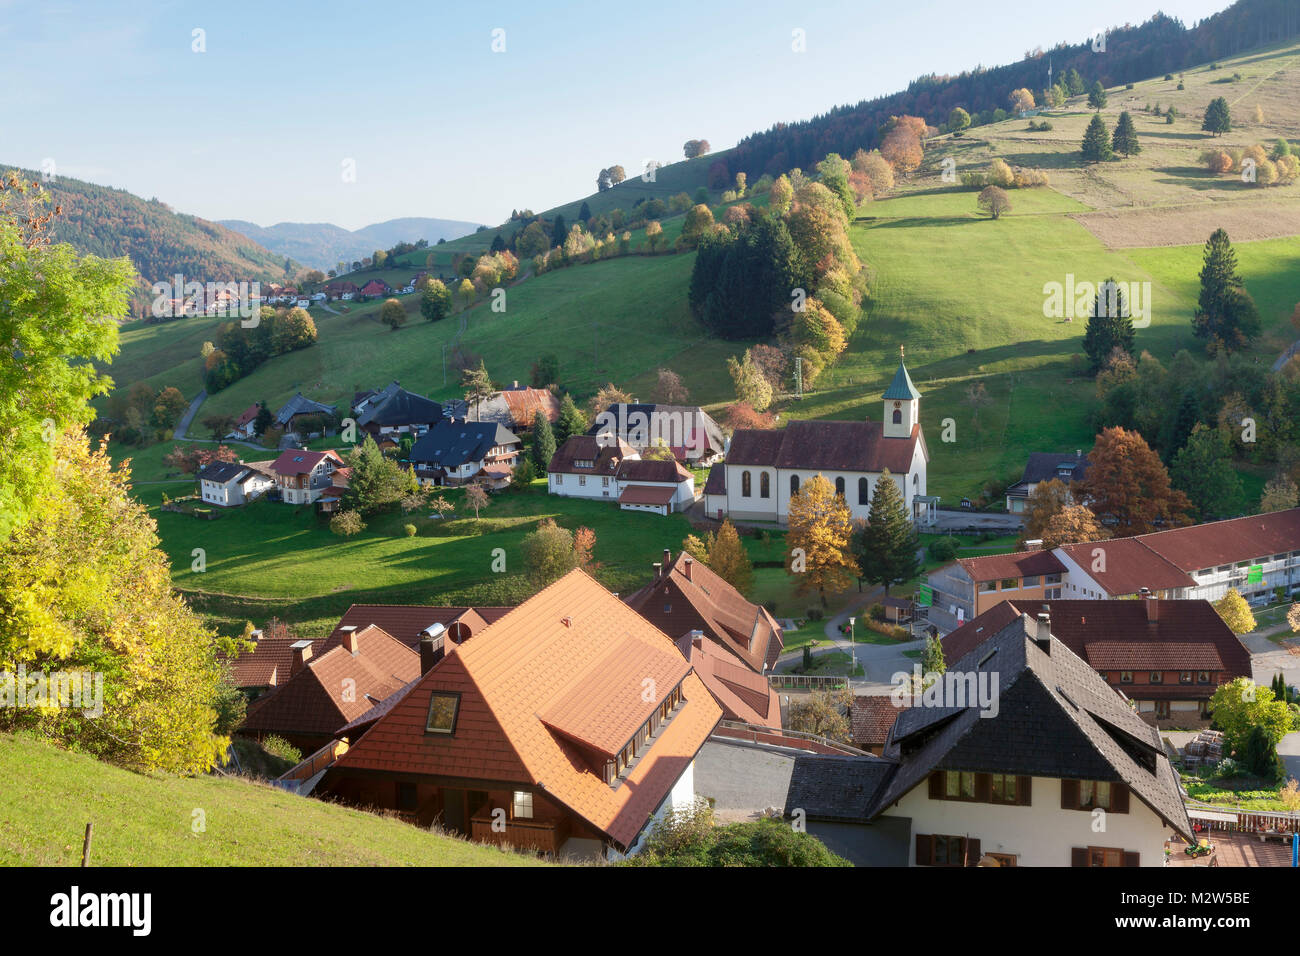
(986, 658)
(443, 710)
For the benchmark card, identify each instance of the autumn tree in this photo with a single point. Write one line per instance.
(819, 539)
(752, 388)
(1048, 499)
(1127, 486)
(1072, 523)
(824, 713)
(699, 220)
(1280, 494)
(696, 147)
(607, 396)
(347, 523)
(994, 201)
(476, 496)
(1235, 611)
(742, 415)
(654, 234)
(392, 314)
(548, 553)
(726, 556)
(1021, 100)
(887, 544)
(902, 149)
(958, 120)
(435, 300)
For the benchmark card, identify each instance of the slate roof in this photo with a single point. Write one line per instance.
(605, 456)
(826, 446)
(1043, 466)
(450, 444)
(682, 427)
(901, 388)
(708, 603)
(1119, 635)
(222, 471)
(564, 654)
(301, 405)
(396, 406)
(314, 701)
(716, 484)
(1056, 718)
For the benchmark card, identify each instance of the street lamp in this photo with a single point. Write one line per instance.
(853, 652)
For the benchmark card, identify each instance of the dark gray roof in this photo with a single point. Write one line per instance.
(697, 428)
(836, 788)
(717, 481)
(221, 471)
(396, 406)
(450, 444)
(298, 405)
(1043, 466)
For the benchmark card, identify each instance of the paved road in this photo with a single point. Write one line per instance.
(1285, 357)
(183, 425)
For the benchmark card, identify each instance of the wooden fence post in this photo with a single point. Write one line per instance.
(85, 846)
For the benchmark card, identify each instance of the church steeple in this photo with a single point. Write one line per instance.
(902, 403)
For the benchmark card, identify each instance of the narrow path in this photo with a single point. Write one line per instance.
(184, 424)
(1292, 349)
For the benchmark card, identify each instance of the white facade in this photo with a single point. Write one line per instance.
(680, 797)
(236, 491)
(683, 491)
(1278, 570)
(1040, 834)
(582, 486)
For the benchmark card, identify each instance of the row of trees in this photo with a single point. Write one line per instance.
(239, 350)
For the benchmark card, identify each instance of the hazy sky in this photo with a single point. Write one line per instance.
(435, 123)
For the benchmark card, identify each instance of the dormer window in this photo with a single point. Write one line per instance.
(443, 710)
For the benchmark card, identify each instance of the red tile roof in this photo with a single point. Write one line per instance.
(1221, 542)
(707, 602)
(268, 663)
(300, 461)
(1130, 566)
(525, 403)
(743, 695)
(1186, 635)
(872, 716)
(995, 567)
(248, 415)
(604, 455)
(565, 645)
(335, 687)
(647, 495)
(826, 446)
(652, 469)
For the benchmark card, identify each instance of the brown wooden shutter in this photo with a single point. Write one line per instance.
(984, 787)
(936, 785)
(1131, 859)
(1078, 856)
(1069, 795)
(1024, 786)
(924, 850)
(1119, 798)
(972, 852)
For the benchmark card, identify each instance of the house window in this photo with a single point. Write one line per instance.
(916, 482)
(1094, 794)
(1126, 677)
(794, 485)
(1009, 584)
(1202, 677)
(746, 490)
(443, 708)
(765, 485)
(864, 491)
(582, 481)
(839, 487)
(958, 786)
(1052, 593)
(1162, 709)
(986, 586)
(1157, 677)
(1032, 581)
(1004, 859)
(668, 609)
(1104, 856)
(522, 805)
(1004, 788)
(949, 851)
(605, 482)
(1185, 677)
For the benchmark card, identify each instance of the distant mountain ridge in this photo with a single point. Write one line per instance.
(323, 245)
(161, 243)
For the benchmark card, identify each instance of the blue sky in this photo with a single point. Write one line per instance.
(259, 125)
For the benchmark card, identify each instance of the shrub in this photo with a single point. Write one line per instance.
(347, 523)
(409, 529)
(943, 549)
(1227, 768)
(876, 612)
(688, 837)
(279, 747)
(814, 613)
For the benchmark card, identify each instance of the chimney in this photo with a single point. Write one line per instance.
(431, 647)
(687, 567)
(1034, 544)
(659, 570)
(350, 641)
(1153, 607)
(668, 559)
(1043, 633)
(697, 639)
(301, 655)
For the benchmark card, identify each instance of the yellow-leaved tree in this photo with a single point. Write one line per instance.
(818, 539)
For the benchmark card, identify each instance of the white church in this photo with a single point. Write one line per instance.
(764, 468)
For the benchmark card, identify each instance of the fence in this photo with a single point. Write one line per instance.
(1246, 821)
(773, 736)
(814, 681)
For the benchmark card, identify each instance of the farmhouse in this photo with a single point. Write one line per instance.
(455, 452)
(227, 483)
(301, 475)
(375, 287)
(527, 734)
(765, 468)
(686, 597)
(958, 785)
(1168, 657)
(585, 467)
(245, 424)
(742, 694)
(325, 692)
(393, 411)
(517, 406)
(687, 430)
(296, 408)
(659, 485)
(1045, 466)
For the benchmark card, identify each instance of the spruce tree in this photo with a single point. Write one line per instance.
(1226, 313)
(1097, 96)
(543, 442)
(571, 421)
(1109, 326)
(1125, 140)
(1096, 141)
(558, 231)
(886, 546)
(1218, 118)
(585, 212)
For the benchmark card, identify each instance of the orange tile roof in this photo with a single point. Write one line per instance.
(1130, 566)
(319, 699)
(570, 640)
(744, 695)
(268, 663)
(647, 495)
(406, 621)
(872, 716)
(525, 403)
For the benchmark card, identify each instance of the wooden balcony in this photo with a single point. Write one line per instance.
(545, 836)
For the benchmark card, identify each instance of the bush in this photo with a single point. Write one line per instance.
(1227, 768)
(409, 529)
(814, 613)
(943, 549)
(279, 747)
(688, 837)
(876, 612)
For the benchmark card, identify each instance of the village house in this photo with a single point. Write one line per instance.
(302, 476)
(657, 485)
(393, 411)
(871, 717)
(324, 692)
(570, 726)
(246, 423)
(743, 695)
(686, 596)
(765, 468)
(1019, 781)
(1168, 657)
(291, 413)
(375, 287)
(1045, 466)
(228, 483)
(970, 586)
(688, 431)
(516, 407)
(585, 467)
(455, 452)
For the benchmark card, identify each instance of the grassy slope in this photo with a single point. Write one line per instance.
(146, 820)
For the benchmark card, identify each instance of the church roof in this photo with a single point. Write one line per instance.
(901, 388)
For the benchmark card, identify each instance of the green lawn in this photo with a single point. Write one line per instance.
(151, 819)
